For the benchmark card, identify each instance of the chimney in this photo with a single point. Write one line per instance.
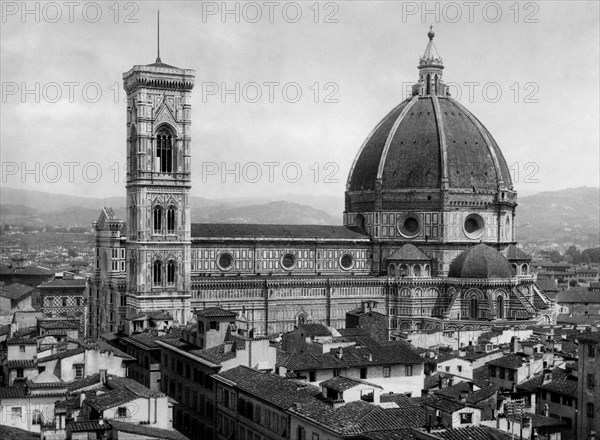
(514, 344)
(547, 377)
(339, 353)
(546, 412)
(103, 376)
(228, 346)
(463, 396)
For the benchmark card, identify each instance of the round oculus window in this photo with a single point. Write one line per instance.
(288, 261)
(346, 261)
(225, 261)
(409, 225)
(474, 226)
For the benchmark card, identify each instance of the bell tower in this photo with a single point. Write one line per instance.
(158, 189)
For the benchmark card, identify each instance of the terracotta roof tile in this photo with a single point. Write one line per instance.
(215, 230)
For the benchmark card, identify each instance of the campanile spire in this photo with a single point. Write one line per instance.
(158, 60)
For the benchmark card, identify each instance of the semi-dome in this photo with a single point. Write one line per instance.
(480, 261)
(429, 141)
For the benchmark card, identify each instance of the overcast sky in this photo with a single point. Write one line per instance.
(354, 58)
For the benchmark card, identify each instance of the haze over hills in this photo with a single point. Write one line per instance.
(568, 214)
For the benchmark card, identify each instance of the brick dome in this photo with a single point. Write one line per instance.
(480, 261)
(425, 141)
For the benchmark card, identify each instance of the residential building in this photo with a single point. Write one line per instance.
(588, 353)
(394, 366)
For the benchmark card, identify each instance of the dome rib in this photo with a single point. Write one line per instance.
(367, 142)
(391, 134)
(484, 135)
(443, 145)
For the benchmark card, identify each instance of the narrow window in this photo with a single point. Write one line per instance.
(171, 220)
(171, 272)
(157, 219)
(164, 151)
(157, 272)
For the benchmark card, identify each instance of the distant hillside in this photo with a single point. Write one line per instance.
(567, 215)
(40, 208)
(572, 213)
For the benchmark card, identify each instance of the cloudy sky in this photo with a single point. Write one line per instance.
(291, 90)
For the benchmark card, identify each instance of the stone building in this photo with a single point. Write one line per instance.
(428, 228)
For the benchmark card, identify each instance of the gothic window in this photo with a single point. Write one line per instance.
(171, 272)
(164, 151)
(157, 272)
(473, 308)
(171, 220)
(157, 219)
(500, 307)
(133, 165)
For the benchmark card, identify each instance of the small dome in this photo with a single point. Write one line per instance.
(480, 261)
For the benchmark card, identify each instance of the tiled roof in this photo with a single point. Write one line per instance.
(481, 376)
(27, 270)
(445, 404)
(474, 355)
(387, 354)
(566, 384)
(21, 341)
(512, 361)
(409, 252)
(354, 331)
(110, 399)
(75, 283)
(15, 291)
(216, 354)
(12, 433)
(314, 329)
(146, 431)
(276, 390)
(57, 324)
(85, 382)
(471, 433)
(341, 383)
(62, 354)
(215, 230)
(21, 363)
(12, 392)
(86, 426)
(216, 312)
(402, 400)
(156, 315)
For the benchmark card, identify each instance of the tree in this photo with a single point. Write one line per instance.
(555, 256)
(573, 283)
(574, 254)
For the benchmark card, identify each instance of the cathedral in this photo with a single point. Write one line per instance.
(428, 232)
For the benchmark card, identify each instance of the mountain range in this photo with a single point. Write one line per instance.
(559, 215)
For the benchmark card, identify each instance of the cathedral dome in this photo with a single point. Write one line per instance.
(429, 141)
(480, 261)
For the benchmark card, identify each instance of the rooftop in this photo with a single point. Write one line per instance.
(251, 231)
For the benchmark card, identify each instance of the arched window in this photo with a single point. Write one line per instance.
(428, 88)
(524, 269)
(500, 307)
(417, 270)
(64, 302)
(359, 222)
(157, 219)
(171, 220)
(164, 151)
(435, 85)
(403, 270)
(157, 272)
(171, 272)
(427, 271)
(392, 270)
(474, 306)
